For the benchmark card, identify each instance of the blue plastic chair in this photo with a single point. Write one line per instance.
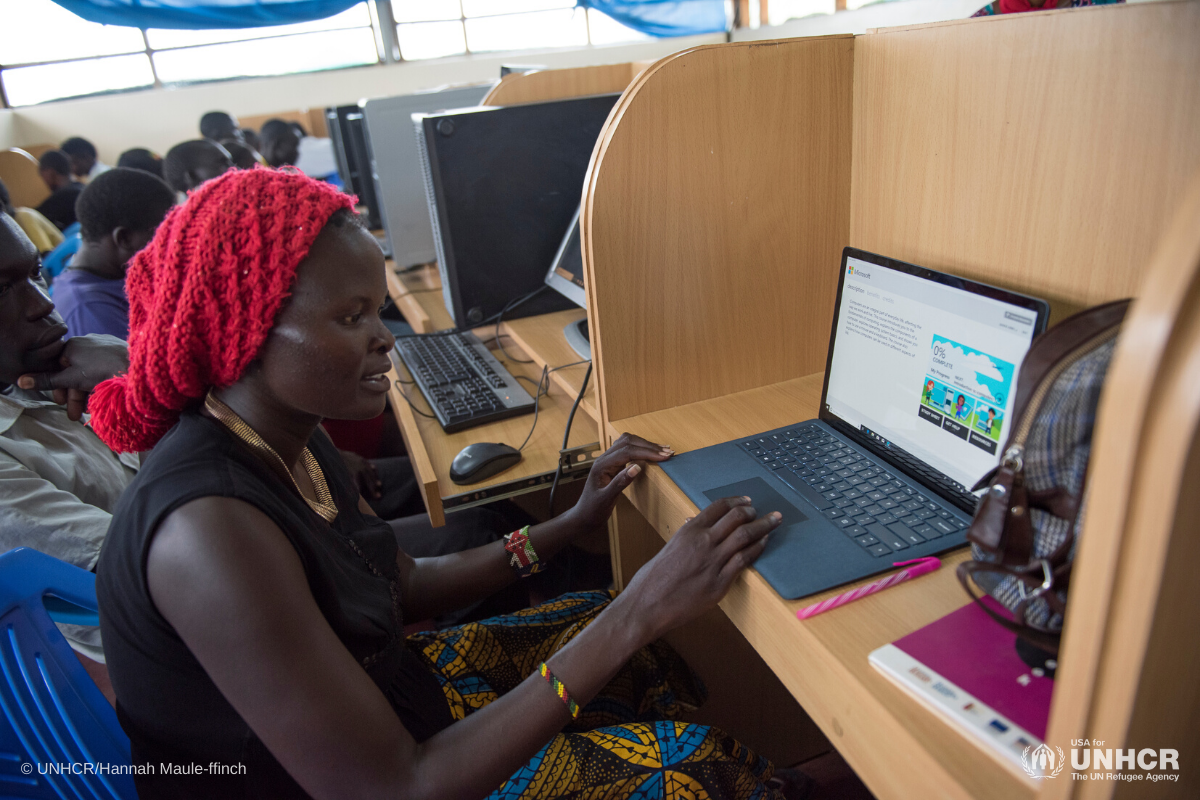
(54, 713)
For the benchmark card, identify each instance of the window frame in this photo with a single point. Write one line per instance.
(385, 32)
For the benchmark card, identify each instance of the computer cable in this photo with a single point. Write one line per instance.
(536, 406)
(500, 317)
(567, 433)
(408, 400)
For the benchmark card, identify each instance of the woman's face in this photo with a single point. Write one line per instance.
(328, 352)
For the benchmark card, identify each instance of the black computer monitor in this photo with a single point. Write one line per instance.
(565, 276)
(346, 129)
(503, 186)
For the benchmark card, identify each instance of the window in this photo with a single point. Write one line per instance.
(437, 28)
(48, 53)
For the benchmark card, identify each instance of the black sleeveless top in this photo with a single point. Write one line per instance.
(171, 710)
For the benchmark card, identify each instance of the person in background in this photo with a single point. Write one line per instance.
(85, 163)
(59, 484)
(118, 214)
(55, 170)
(143, 159)
(218, 126)
(1019, 6)
(315, 156)
(241, 153)
(250, 137)
(190, 164)
(41, 231)
(280, 143)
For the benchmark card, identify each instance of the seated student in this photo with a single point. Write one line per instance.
(314, 154)
(41, 231)
(189, 164)
(280, 143)
(85, 162)
(143, 159)
(241, 153)
(118, 214)
(55, 170)
(250, 137)
(253, 610)
(58, 482)
(219, 126)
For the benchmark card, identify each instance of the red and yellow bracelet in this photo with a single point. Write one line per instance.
(560, 689)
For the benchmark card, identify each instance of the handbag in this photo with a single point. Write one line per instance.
(1026, 526)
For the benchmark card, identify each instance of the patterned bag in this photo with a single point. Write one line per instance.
(1027, 523)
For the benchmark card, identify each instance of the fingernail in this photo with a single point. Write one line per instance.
(775, 516)
(634, 470)
(25, 383)
(745, 499)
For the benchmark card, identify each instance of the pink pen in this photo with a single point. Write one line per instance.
(920, 567)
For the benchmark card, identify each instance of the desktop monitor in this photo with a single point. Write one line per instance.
(395, 167)
(503, 185)
(566, 277)
(345, 124)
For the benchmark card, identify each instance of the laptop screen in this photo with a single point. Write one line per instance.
(924, 364)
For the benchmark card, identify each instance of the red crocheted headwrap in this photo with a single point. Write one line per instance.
(204, 294)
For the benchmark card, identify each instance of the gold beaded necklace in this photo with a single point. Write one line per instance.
(324, 505)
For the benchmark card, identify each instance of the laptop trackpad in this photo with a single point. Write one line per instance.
(762, 497)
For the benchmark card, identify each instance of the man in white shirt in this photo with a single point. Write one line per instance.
(85, 161)
(58, 482)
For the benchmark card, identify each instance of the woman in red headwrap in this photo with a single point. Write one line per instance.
(252, 607)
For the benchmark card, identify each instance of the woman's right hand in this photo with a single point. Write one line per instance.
(695, 569)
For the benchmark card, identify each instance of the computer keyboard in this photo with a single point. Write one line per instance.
(464, 384)
(862, 496)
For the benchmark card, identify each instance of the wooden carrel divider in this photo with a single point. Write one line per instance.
(1050, 153)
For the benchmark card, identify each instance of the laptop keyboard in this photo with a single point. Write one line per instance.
(863, 497)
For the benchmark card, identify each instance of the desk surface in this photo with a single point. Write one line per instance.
(823, 661)
(539, 339)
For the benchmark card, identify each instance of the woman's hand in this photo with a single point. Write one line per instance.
(86, 361)
(695, 569)
(610, 474)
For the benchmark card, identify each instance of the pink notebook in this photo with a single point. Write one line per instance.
(965, 667)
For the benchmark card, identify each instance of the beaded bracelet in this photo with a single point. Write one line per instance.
(560, 689)
(523, 558)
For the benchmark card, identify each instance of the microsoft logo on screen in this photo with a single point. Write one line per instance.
(859, 272)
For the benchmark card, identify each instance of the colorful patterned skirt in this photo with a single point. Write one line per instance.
(627, 742)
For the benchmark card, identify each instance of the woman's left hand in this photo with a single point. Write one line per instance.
(610, 474)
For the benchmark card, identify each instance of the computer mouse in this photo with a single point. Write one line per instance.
(482, 460)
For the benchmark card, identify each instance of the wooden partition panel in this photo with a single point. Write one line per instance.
(715, 212)
(313, 120)
(556, 84)
(1044, 152)
(1132, 643)
(19, 171)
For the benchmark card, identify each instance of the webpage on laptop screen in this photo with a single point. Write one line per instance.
(928, 368)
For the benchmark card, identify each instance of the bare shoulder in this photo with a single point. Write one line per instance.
(217, 554)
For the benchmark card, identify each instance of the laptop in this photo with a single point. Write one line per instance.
(918, 396)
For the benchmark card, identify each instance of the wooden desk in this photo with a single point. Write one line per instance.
(888, 737)
(539, 339)
(709, 248)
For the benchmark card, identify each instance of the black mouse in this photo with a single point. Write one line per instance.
(482, 460)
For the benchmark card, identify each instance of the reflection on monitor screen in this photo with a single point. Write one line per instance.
(566, 271)
(566, 277)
